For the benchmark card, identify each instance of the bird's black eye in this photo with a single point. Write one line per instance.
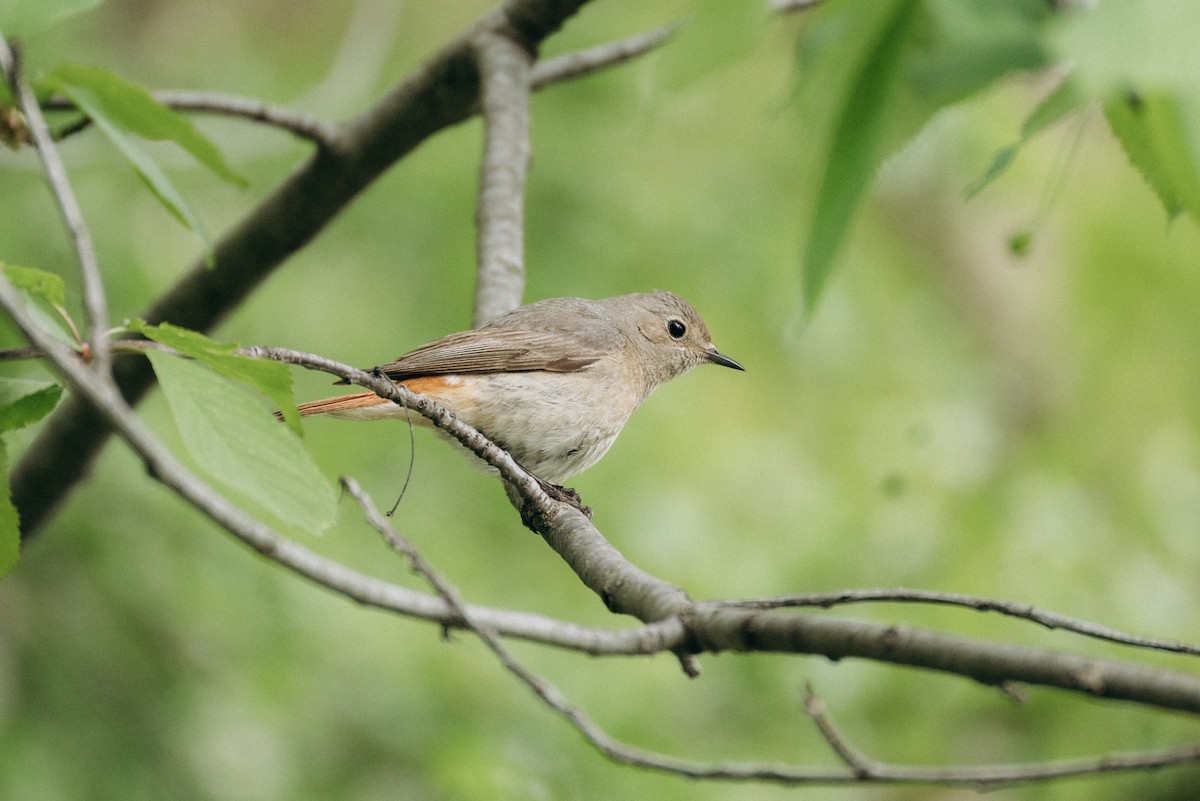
(676, 329)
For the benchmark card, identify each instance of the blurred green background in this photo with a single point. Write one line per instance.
(953, 417)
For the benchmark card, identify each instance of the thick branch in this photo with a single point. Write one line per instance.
(504, 66)
(1051, 620)
(717, 627)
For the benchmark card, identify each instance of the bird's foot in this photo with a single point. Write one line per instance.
(566, 495)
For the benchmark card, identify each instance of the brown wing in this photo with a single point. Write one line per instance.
(496, 351)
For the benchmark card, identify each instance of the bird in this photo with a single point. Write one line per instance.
(552, 382)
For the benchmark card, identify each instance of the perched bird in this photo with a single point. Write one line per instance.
(552, 382)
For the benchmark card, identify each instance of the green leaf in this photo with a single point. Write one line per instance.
(23, 18)
(132, 108)
(39, 283)
(10, 521)
(40, 290)
(1141, 61)
(855, 151)
(1065, 98)
(272, 379)
(965, 45)
(235, 442)
(1157, 136)
(146, 168)
(24, 402)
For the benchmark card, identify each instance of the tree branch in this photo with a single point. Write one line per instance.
(594, 59)
(504, 66)
(304, 126)
(713, 626)
(1051, 620)
(95, 305)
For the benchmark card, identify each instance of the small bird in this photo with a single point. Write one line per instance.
(552, 382)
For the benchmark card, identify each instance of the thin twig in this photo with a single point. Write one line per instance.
(787, 6)
(593, 59)
(1051, 620)
(94, 303)
(861, 765)
(18, 354)
(504, 66)
(304, 126)
(865, 769)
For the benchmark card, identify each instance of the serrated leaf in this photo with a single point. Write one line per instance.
(10, 521)
(227, 434)
(132, 108)
(1141, 61)
(22, 18)
(855, 149)
(272, 379)
(25, 402)
(1154, 132)
(39, 283)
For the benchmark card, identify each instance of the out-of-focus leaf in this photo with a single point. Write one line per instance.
(26, 17)
(39, 283)
(964, 45)
(1158, 138)
(132, 108)
(910, 59)
(44, 295)
(1065, 98)
(226, 432)
(272, 379)
(145, 166)
(854, 152)
(24, 402)
(715, 35)
(1141, 61)
(10, 521)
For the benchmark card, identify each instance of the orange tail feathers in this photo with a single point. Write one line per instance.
(358, 406)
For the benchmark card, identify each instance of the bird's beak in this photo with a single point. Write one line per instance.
(716, 357)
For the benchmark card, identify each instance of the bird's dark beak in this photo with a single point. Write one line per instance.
(716, 357)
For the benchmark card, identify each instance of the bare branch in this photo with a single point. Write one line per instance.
(504, 66)
(94, 301)
(1051, 620)
(860, 765)
(864, 769)
(787, 6)
(302, 125)
(594, 59)
(19, 354)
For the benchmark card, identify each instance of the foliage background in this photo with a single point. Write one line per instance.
(954, 416)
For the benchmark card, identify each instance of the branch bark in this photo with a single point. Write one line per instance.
(504, 67)
(95, 305)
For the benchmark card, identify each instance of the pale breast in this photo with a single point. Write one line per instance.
(554, 424)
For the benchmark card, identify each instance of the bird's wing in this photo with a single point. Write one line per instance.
(496, 351)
